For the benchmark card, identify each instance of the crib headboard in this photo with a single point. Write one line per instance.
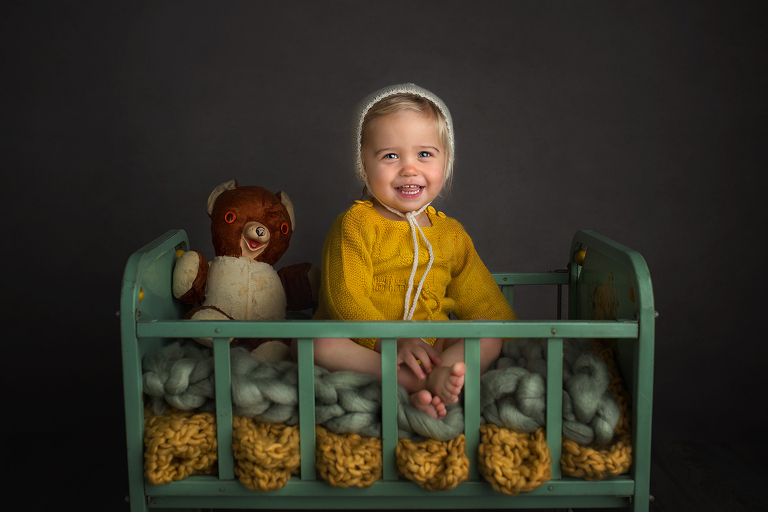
(149, 285)
(613, 283)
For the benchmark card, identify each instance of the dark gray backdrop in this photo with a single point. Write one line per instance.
(641, 121)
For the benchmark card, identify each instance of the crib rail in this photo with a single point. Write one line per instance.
(150, 318)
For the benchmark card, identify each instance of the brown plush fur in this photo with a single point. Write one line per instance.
(250, 203)
(298, 289)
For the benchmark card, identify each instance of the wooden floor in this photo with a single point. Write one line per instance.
(685, 476)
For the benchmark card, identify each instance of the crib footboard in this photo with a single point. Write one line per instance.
(609, 298)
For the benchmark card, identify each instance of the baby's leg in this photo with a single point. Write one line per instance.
(447, 380)
(343, 354)
(441, 387)
(337, 354)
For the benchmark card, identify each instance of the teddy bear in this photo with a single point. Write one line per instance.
(251, 229)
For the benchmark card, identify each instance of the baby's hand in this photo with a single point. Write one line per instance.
(412, 350)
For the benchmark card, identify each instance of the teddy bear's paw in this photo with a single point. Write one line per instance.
(189, 276)
(208, 314)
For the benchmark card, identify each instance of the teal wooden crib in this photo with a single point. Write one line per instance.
(151, 318)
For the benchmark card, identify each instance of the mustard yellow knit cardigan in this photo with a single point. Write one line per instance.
(367, 261)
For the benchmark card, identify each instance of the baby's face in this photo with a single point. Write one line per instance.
(404, 159)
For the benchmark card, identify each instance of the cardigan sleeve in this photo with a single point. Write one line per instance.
(347, 273)
(472, 286)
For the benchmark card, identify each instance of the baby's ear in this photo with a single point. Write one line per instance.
(288, 206)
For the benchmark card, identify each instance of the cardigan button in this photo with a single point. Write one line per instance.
(368, 203)
(441, 215)
(431, 210)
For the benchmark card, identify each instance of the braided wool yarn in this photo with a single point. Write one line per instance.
(514, 394)
(347, 460)
(266, 455)
(433, 465)
(598, 462)
(178, 444)
(181, 375)
(513, 462)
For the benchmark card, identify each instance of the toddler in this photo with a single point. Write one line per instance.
(395, 257)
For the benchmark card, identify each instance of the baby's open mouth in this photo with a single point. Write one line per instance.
(410, 190)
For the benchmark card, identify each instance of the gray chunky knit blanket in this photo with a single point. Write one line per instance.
(513, 393)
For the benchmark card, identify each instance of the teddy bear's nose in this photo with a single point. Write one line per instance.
(257, 231)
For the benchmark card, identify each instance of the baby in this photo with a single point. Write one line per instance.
(395, 257)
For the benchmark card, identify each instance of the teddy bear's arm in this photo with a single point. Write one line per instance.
(189, 277)
(302, 284)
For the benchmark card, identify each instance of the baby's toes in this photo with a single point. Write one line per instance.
(423, 397)
(439, 406)
(454, 384)
(458, 370)
(423, 402)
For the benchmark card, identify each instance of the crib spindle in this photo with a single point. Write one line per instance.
(472, 403)
(306, 357)
(555, 403)
(389, 430)
(222, 379)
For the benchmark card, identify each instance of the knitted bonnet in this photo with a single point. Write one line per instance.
(409, 306)
(369, 101)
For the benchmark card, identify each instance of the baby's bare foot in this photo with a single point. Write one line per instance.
(446, 382)
(432, 405)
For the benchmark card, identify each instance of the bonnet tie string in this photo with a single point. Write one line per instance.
(411, 218)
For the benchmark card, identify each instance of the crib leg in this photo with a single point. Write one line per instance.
(642, 398)
(134, 420)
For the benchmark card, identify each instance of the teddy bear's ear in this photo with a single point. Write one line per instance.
(229, 185)
(288, 206)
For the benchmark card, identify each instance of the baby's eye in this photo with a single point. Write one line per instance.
(390, 155)
(425, 154)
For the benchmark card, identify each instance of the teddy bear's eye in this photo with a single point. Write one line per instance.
(284, 228)
(230, 217)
